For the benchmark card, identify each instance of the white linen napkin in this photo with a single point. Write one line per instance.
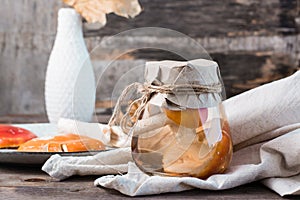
(265, 128)
(107, 162)
(279, 158)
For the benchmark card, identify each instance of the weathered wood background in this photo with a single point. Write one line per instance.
(253, 41)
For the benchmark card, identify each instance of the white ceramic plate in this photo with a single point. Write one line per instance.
(34, 158)
(11, 156)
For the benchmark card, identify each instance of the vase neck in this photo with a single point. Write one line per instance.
(69, 22)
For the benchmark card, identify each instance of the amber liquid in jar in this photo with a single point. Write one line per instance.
(191, 142)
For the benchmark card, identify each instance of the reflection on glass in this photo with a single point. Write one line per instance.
(187, 142)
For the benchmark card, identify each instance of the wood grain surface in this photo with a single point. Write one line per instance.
(200, 18)
(254, 42)
(28, 183)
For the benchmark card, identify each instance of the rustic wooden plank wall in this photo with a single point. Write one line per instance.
(27, 31)
(253, 41)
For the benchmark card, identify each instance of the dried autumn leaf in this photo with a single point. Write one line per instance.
(96, 10)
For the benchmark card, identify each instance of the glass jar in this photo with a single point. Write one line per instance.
(182, 130)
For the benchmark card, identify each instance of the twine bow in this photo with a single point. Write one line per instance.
(126, 121)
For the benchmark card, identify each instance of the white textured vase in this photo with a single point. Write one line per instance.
(70, 82)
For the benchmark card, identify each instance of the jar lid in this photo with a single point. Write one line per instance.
(194, 72)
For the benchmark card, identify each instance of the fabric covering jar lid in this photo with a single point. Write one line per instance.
(193, 74)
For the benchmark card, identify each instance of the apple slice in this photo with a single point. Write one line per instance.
(62, 143)
(13, 137)
(190, 118)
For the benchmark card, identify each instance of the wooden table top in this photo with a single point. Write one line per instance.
(19, 182)
(30, 182)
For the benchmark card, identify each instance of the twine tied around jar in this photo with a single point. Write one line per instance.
(147, 90)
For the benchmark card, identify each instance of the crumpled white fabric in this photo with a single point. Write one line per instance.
(107, 162)
(265, 127)
(277, 159)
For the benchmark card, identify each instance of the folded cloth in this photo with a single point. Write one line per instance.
(265, 127)
(277, 159)
(259, 112)
(107, 162)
